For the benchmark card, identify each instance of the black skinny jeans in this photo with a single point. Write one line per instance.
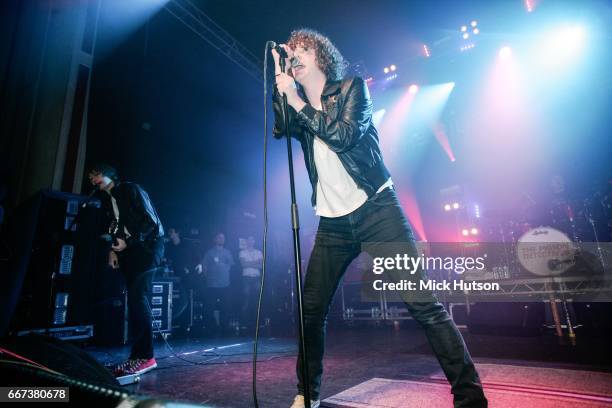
(138, 264)
(338, 241)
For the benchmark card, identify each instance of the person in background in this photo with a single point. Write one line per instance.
(178, 254)
(250, 260)
(216, 266)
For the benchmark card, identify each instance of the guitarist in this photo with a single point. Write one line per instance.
(137, 248)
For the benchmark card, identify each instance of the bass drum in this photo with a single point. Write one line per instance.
(545, 251)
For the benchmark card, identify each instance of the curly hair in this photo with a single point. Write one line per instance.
(329, 59)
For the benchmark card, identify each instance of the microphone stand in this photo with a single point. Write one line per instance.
(295, 226)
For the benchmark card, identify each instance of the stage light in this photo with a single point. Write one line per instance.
(426, 51)
(386, 70)
(530, 5)
(476, 31)
(474, 231)
(122, 18)
(572, 36)
(463, 29)
(413, 89)
(505, 52)
(392, 67)
(567, 40)
(467, 47)
(561, 48)
(465, 232)
(474, 23)
(476, 210)
(466, 36)
(456, 206)
(447, 207)
(439, 132)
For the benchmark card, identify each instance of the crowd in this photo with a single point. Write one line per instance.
(227, 286)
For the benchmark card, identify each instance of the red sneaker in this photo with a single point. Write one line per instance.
(135, 366)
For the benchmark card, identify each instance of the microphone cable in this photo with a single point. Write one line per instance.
(265, 214)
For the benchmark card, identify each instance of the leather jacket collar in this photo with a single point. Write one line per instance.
(331, 87)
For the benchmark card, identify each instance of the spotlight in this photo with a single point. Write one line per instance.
(505, 52)
(466, 36)
(476, 210)
(567, 39)
(413, 89)
(386, 70)
(391, 77)
(456, 206)
(476, 31)
(392, 67)
(474, 231)
(447, 207)
(468, 46)
(465, 232)
(463, 29)
(561, 47)
(426, 51)
(474, 23)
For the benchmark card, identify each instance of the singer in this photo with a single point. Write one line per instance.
(352, 192)
(137, 249)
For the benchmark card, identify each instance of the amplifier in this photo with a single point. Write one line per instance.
(160, 300)
(51, 282)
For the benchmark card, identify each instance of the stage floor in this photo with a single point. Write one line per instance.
(218, 371)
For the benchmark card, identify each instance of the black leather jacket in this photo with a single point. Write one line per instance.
(345, 125)
(137, 214)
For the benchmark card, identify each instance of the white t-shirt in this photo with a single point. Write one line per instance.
(250, 255)
(337, 192)
(117, 215)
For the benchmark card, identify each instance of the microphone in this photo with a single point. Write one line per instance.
(96, 188)
(281, 51)
(293, 61)
(555, 264)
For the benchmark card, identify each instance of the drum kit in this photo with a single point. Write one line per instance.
(567, 237)
(551, 243)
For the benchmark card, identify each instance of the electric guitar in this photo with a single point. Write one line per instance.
(113, 230)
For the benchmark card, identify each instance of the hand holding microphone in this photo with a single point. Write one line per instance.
(283, 51)
(284, 82)
(280, 51)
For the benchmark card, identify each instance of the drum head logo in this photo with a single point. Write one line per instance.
(545, 251)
